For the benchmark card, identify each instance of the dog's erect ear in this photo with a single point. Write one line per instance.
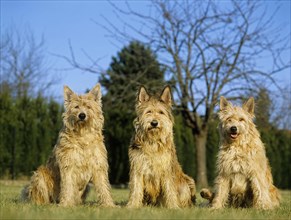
(223, 103)
(249, 106)
(143, 95)
(67, 94)
(96, 92)
(166, 95)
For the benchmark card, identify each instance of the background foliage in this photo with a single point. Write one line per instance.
(30, 123)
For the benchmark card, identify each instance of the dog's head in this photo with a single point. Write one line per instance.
(154, 115)
(83, 110)
(235, 122)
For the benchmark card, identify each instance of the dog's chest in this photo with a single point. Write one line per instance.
(80, 154)
(152, 163)
(154, 169)
(235, 164)
(156, 164)
(234, 161)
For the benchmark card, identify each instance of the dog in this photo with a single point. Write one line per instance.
(244, 176)
(156, 177)
(79, 157)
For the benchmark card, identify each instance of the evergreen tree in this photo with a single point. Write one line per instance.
(29, 129)
(212, 148)
(276, 141)
(284, 148)
(24, 118)
(55, 111)
(6, 131)
(263, 109)
(184, 144)
(24, 153)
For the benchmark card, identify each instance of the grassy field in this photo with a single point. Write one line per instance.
(11, 208)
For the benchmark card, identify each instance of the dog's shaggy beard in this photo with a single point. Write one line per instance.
(227, 136)
(244, 127)
(152, 135)
(72, 123)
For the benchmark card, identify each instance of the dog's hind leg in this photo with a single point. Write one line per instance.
(192, 186)
(262, 197)
(40, 189)
(186, 191)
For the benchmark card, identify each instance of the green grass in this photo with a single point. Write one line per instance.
(11, 208)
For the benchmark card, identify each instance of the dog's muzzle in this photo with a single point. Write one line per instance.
(82, 116)
(233, 132)
(154, 124)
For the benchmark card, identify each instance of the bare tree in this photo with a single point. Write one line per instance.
(23, 65)
(209, 49)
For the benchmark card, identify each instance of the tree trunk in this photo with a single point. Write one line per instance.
(200, 140)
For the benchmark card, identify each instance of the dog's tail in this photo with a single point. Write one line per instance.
(207, 194)
(40, 189)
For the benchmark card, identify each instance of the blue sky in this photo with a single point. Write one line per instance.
(61, 21)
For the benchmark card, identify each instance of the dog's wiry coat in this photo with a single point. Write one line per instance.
(244, 175)
(156, 177)
(78, 157)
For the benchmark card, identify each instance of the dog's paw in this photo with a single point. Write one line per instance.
(263, 206)
(216, 205)
(205, 194)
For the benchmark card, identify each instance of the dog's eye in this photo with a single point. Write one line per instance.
(161, 112)
(242, 119)
(148, 112)
(77, 106)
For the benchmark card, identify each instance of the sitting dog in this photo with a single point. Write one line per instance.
(78, 157)
(156, 177)
(244, 175)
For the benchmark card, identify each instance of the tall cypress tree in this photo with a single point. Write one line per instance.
(274, 139)
(184, 144)
(263, 109)
(7, 112)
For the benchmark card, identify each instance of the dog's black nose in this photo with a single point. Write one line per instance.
(233, 129)
(154, 123)
(82, 116)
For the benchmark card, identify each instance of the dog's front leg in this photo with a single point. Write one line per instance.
(102, 186)
(221, 192)
(170, 193)
(136, 190)
(67, 191)
(261, 195)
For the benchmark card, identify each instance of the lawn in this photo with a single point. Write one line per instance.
(11, 208)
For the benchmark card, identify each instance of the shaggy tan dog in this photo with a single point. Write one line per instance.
(78, 157)
(156, 177)
(244, 175)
